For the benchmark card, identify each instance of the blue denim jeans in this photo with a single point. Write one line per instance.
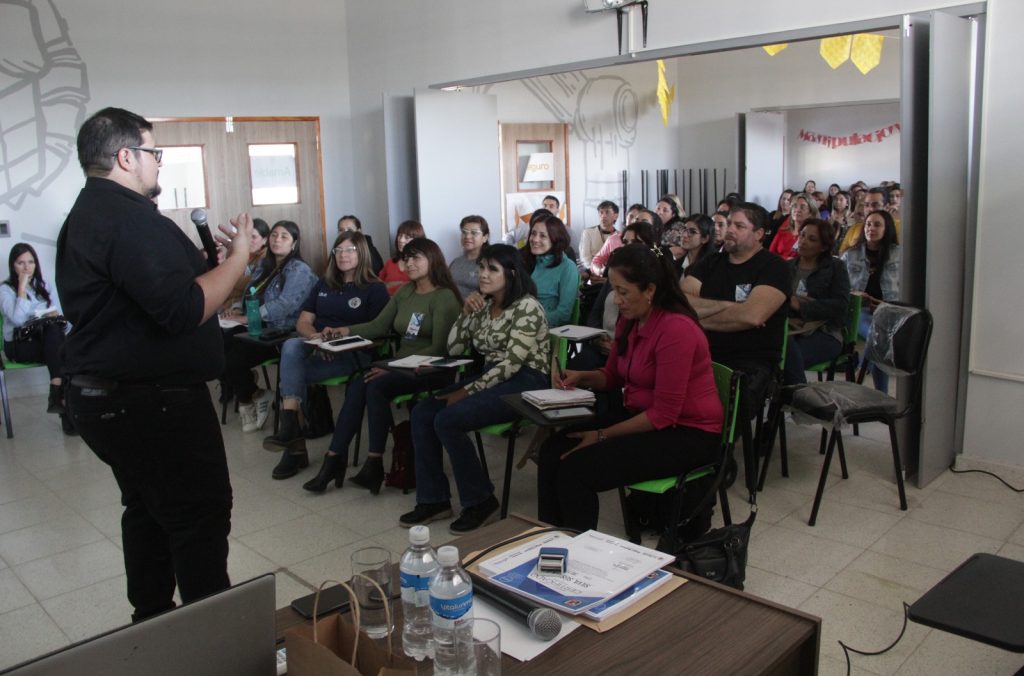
(808, 349)
(436, 425)
(375, 398)
(302, 364)
(880, 377)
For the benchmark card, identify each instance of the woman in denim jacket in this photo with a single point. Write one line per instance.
(874, 267)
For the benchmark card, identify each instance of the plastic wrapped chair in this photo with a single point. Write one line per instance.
(897, 343)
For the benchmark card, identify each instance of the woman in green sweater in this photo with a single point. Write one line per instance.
(505, 323)
(421, 313)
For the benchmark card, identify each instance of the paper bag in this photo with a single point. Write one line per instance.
(331, 646)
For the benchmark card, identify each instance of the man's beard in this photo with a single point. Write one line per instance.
(154, 192)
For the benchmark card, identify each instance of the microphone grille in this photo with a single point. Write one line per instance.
(198, 216)
(545, 623)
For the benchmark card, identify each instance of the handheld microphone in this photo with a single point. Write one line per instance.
(544, 623)
(198, 217)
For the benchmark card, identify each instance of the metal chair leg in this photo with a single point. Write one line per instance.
(723, 499)
(509, 459)
(898, 466)
(823, 479)
(632, 533)
(480, 451)
(842, 453)
(6, 405)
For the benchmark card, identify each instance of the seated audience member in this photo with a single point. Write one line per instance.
(348, 294)
(505, 323)
(833, 189)
(282, 284)
(697, 242)
(474, 236)
(421, 313)
(25, 296)
(779, 216)
(810, 186)
(874, 267)
(840, 216)
(553, 273)
(740, 296)
(873, 200)
(633, 213)
(593, 239)
(784, 242)
(352, 224)
(257, 251)
(895, 200)
(672, 417)
(552, 204)
(393, 273)
(605, 313)
(720, 221)
(817, 308)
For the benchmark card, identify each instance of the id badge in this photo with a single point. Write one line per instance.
(415, 322)
(742, 291)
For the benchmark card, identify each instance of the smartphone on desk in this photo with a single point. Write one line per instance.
(344, 341)
(331, 599)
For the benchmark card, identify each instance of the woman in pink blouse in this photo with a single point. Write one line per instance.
(672, 416)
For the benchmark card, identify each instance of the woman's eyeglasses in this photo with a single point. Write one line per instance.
(343, 249)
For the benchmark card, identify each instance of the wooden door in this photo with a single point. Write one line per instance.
(520, 143)
(229, 174)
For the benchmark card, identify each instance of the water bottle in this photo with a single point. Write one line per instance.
(451, 608)
(252, 313)
(418, 565)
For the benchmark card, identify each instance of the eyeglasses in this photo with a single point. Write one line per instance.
(472, 233)
(157, 153)
(343, 249)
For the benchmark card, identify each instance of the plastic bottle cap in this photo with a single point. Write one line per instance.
(448, 555)
(419, 535)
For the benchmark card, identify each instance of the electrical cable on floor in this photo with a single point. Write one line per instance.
(847, 649)
(953, 469)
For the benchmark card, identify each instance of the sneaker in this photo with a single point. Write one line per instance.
(263, 401)
(247, 414)
(424, 514)
(474, 517)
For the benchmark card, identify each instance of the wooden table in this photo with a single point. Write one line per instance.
(700, 628)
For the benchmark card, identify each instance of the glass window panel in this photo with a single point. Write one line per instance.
(535, 165)
(274, 173)
(182, 178)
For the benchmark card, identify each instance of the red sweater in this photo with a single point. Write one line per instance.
(666, 372)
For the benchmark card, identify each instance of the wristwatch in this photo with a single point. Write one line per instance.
(600, 436)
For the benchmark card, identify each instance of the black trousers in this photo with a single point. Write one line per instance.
(46, 350)
(567, 489)
(240, 356)
(165, 448)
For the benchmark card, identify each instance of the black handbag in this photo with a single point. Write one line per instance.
(721, 554)
(33, 329)
(316, 408)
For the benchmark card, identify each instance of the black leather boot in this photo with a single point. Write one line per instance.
(55, 402)
(289, 435)
(290, 464)
(332, 469)
(371, 475)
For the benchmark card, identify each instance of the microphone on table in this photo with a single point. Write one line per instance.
(543, 623)
(198, 217)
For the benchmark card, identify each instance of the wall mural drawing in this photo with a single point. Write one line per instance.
(44, 89)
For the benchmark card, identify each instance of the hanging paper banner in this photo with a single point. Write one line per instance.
(854, 139)
(665, 93)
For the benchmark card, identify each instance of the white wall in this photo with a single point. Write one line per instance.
(186, 58)
(995, 386)
(869, 162)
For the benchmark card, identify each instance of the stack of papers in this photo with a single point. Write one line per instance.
(545, 399)
(340, 344)
(577, 333)
(417, 360)
(602, 570)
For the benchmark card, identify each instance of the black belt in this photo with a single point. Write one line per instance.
(96, 386)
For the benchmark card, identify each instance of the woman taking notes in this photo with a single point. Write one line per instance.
(505, 323)
(349, 293)
(421, 312)
(672, 418)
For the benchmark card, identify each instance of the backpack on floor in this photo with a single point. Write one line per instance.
(403, 463)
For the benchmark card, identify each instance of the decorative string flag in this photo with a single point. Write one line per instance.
(863, 50)
(666, 94)
(854, 139)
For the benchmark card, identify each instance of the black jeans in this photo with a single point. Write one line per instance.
(240, 356)
(46, 350)
(165, 448)
(567, 489)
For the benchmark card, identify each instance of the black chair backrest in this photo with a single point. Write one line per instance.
(899, 338)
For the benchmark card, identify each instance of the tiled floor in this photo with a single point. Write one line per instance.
(62, 577)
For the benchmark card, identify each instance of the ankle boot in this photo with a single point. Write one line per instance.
(68, 425)
(371, 476)
(55, 402)
(332, 468)
(289, 434)
(290, 464)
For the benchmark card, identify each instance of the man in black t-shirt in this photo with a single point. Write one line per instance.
(741, 298)
(145, 339)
